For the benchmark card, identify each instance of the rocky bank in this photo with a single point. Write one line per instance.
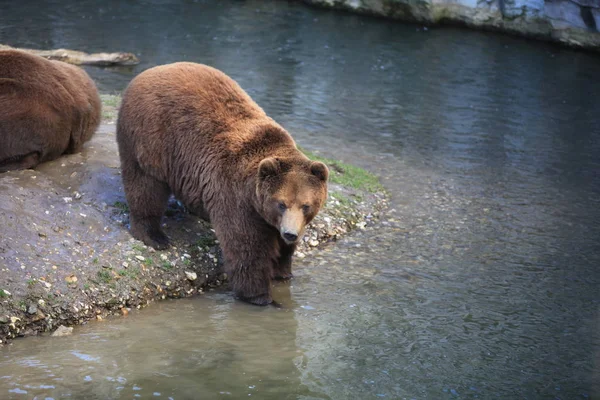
(66, 256)
(571, 22)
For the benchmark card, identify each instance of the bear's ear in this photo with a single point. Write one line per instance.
(319, 170)
(268, 167)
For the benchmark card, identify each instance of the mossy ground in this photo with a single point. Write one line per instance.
(348, 175)
(110, 107)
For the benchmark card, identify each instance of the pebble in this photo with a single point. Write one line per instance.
(192, 276)
(140, 258)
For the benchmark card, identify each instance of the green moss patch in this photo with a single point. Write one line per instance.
(110, 106)
(348, 175)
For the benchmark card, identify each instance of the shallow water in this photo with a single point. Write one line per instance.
(480, 282)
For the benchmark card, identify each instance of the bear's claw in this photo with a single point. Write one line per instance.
(261, 300)
(284, 276)
(158, 240)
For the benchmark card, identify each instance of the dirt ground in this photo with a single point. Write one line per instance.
(66, 255)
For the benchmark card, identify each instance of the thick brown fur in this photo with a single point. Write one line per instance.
(190, 130)
(47, 108)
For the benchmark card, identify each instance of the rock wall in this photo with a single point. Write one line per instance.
(572, 22)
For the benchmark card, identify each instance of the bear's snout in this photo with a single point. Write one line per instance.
(289, 237)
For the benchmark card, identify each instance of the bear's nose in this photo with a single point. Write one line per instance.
(290, 237)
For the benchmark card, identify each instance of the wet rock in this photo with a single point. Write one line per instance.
(63, 331)
(571, 22)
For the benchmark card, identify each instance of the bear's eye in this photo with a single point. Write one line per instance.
(282, 207)
(305, 208)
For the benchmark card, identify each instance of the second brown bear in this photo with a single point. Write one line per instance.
(47, 108)
(190, 130)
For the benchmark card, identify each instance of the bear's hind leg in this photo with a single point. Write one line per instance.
(147, 199)
(26, 161)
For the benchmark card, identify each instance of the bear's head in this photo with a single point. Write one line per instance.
(291, 191)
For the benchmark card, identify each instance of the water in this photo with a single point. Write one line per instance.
(480, 282)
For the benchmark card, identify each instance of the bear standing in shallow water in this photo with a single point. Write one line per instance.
(47, 108)
(190, 130)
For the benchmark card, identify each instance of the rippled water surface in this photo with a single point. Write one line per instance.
(481, 281)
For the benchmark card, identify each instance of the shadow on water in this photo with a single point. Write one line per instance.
(480, 282)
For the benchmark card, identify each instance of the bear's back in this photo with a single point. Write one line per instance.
(183, 94)
(31, 85)
(45, 106)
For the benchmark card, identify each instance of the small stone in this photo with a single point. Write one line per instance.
(314, 243)
(67, 199)
(300, 255)
(140, 258)
(32, 309)
(192, 276)
(186, 255)
(124, 311)
(77, 194)
(63, 331)
(71, 279)
(41, 302)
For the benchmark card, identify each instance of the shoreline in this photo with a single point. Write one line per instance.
(557, 23)
(67, 257)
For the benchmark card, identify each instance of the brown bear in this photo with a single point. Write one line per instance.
(47, 108)
(190, 130)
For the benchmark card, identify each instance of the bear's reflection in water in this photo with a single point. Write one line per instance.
(209, 347)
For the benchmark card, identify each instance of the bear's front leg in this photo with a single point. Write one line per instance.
(282, 269)
(249, 252)
(251, 279)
